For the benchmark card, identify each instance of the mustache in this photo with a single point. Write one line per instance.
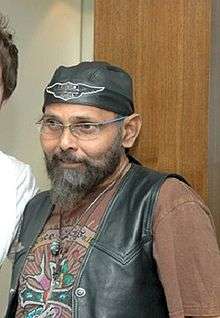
(66, 156)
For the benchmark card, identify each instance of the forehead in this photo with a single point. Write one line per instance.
(66, 111)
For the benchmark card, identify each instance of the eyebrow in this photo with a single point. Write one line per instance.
(45, 116)
(85, 119)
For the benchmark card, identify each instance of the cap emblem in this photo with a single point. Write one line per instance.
(69, 90)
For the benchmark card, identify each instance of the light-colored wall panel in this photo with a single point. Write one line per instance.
(48, 33)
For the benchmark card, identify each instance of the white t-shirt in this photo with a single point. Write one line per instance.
(17, 187)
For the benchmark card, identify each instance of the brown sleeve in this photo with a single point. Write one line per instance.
(186, 252)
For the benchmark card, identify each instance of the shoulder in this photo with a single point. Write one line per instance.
(16, 165)
(174, 192)
(37, 204)
(39, 198)
(18, 175)
(176, 197)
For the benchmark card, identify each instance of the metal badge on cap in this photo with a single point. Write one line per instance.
(69, 90)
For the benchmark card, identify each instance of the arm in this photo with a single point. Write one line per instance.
(17, 186)
(26, 188)
(186, 252)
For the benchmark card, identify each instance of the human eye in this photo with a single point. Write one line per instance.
(51, 123)
(86, 128)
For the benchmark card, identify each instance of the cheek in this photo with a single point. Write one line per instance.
(95, 149)
(48, 145)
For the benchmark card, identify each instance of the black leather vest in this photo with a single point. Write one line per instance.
(118, 278)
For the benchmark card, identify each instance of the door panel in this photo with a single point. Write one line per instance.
(165, 45)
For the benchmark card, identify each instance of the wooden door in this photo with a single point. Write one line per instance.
(164, 45)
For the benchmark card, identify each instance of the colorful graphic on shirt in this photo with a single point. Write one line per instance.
(54, 291)
(46, 283)
(50, 312)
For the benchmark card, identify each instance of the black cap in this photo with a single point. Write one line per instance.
(97, 84)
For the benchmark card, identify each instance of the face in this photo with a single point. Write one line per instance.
(76, 167)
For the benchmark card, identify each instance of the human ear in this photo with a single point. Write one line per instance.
(131, 129)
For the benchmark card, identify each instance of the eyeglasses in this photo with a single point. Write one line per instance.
(51, 128)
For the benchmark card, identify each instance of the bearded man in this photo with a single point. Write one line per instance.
(112, 238)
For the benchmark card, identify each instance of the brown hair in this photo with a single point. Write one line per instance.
(8, 59)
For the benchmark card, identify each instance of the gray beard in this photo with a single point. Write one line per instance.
(71, 186)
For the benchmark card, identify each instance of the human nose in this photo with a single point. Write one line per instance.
(68, 140)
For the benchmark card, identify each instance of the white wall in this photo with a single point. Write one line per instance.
(47, 33)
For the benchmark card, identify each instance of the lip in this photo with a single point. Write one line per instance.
(69, 164)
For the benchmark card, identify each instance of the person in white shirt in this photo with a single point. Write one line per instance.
(17, 183)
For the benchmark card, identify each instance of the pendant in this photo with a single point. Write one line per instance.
(55, 247)
(57, 273)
